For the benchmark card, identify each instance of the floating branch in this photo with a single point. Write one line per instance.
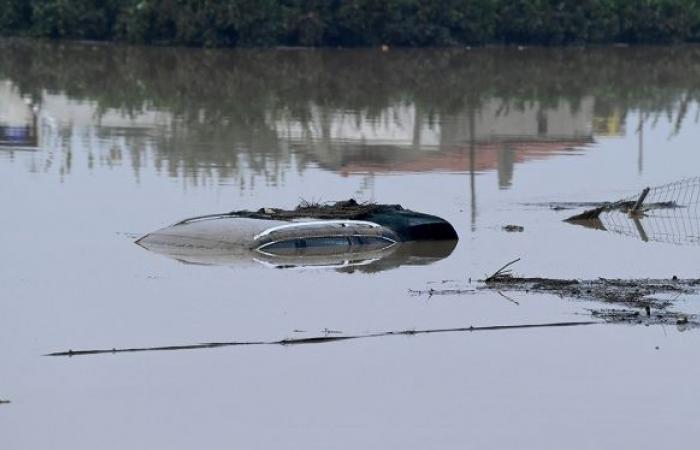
(319, 339)
(501, 273)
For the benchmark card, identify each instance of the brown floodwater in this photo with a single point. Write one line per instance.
(101, 144)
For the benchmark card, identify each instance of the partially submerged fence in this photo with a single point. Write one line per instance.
(669, 213)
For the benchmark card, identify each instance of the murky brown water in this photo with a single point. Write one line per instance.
(123, 141)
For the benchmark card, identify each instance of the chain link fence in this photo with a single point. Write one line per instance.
(668, 214)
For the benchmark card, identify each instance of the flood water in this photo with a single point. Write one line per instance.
(101, 144)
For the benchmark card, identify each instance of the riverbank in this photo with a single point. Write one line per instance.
(221, 23)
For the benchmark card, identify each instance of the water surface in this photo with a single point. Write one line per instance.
(101, 144)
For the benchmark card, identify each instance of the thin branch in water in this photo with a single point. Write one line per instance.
(507, 298)
(431, 292)
(319, 339)
(502, 272)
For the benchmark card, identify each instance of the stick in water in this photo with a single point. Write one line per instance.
(320, 339)
(501, 271)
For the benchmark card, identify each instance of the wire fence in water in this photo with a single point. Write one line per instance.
(670, 214)
(683, 193)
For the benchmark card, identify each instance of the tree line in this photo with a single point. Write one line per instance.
(347, 23)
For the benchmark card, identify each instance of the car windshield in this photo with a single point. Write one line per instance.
(325, 245)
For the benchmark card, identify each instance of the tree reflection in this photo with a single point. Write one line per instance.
(197, 114)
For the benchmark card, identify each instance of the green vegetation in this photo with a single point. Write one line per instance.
(224, 23)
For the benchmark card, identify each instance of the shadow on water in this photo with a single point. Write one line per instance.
(207, 113)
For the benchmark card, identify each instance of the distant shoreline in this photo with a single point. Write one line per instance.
(292, 48)
(357, 23)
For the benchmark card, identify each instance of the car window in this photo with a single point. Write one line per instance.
(282, 246)
(325, 244)
(374, 241)
(327, 241)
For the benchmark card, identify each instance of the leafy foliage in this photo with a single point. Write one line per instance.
(223, 23)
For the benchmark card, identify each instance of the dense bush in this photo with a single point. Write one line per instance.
(216, 23)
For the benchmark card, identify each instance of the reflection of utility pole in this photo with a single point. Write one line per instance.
(417, 126)
(35, 124)
(506, 166)
(367, 184)
(640, 131)
(472, 158)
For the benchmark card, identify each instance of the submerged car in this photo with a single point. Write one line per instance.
(340, 235)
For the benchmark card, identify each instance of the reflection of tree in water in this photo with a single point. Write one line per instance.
(229, 107)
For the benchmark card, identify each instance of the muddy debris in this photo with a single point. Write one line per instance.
(640, 293)
(345, 209)
(644, 301)
(628, 316)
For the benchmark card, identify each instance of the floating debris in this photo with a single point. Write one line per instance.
(513, 228)
(649, 299)
(682, 321)
(320, 339)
